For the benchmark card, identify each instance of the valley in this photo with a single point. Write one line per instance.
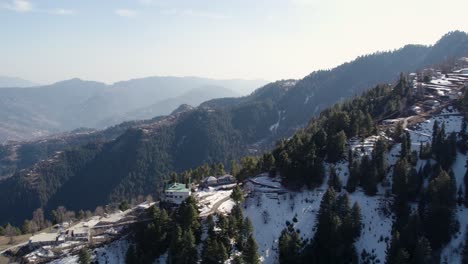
(375, 178)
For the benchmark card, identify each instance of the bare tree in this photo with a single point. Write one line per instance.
(99, 211)
(149, 198)
(69, 216)
(59, 214)
(10, 232)
(33, 227)
(38, 219)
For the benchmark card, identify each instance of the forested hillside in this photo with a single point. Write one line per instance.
(137, 161)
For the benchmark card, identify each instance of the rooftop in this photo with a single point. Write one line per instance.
(43, 237)
(178, 187)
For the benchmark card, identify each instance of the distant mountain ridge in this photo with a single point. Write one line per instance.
(6, 81)
(30, 112)
(138, 158)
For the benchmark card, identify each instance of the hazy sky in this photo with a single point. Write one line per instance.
(109, 40)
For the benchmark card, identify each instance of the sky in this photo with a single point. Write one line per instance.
(110, 40)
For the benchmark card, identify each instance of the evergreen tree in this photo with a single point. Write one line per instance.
(423, 252)
(379, 158)
(290, 246)
(439, 215)
(187, 250)
(400, 178)
(188, 217)
(336, 147)
(235, 169)
(368, 176)
(354, 176)
(267, 164)
(123, 206)
(336, 231)
(464, 254)
(237, 194)
(465, 179)
(334, 181)
(250, 254)
(83, 256)
(131, 256)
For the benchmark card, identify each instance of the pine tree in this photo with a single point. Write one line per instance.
(336, 147)
(250, 254)
(83, 256)
(356, 218)
(354, 176)
(334, 181)
(402, 257)
(131, 256)
(368, 176)
(464, 254)
(439, 215)
(379, 159)
(290, 247)
(423, 252)
(175, 244)
(400, 178)
(234, 166)
(237, 194)
(465, 179)
(186, 251)
(267, 163)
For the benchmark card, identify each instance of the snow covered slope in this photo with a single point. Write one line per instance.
(269, 205)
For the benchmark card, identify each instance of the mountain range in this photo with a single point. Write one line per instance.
(135, 157)
(6, 81)
(29, 113)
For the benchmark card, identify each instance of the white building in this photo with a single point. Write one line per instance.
(176, 193)
(43, 239)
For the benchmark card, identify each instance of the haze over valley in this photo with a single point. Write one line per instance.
(233, 132)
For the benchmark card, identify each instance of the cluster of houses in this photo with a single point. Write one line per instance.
(66, 237)
(213, 181)
(436, 88)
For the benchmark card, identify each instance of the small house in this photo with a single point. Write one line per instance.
(432, 103)
(176, 193)
(209, 181)
(43, 239)
(226, 179)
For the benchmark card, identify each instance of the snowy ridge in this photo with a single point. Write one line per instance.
(281, 205)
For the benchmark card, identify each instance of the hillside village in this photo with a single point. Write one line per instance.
(270, 205)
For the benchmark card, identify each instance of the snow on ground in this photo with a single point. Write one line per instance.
(459, 168)
(277, 209)
(265, 180)
(275, 126)
(422, 132)
(210, 200)
(66, 260)
(377, 227)
(112, 253)
(161, 260)
(365, 146)
(226, 207)
(452, 252)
